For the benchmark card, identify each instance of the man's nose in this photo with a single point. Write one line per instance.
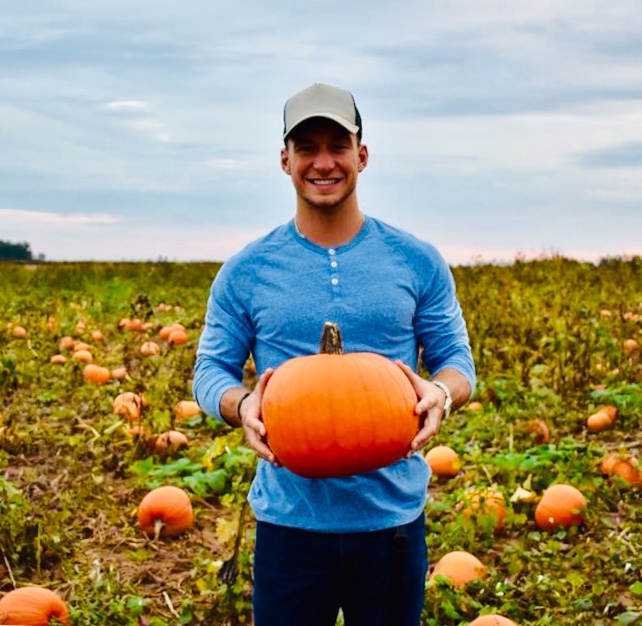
(324, 161)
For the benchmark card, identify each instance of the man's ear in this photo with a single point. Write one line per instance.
(363, 157)
(285, 161)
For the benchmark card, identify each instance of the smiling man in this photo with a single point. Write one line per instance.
(357, 543)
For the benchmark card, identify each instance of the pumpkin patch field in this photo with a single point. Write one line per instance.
(121, 503)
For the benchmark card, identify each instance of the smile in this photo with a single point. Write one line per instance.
(324, 181)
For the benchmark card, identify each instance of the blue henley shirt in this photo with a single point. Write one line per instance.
(389, 292)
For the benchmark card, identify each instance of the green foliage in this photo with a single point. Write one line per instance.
(547, 340)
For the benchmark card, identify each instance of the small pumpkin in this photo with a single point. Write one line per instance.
(560, 506)
(538, 429)
(186, 408)
(443, 461)
(177, 337)
(19, 331)
(97, 335)
(81, 345)
(128, 405)
(32, 606)
(486, 504)
(58, 359)
(610, 409)
(171, 440)
(333, 414)
(165, 512)
(67, 343)
(96, 374)
(119, 373)
(492, 620)
(460, 567)
(150, 348)
(627, 470)
(475, 405)
(597, 422)
(83, 356)
(630, 345)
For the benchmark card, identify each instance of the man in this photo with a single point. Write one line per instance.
(356, 543)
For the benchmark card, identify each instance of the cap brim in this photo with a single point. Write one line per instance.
(330, 116)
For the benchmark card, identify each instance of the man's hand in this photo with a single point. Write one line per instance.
(252, 422)
(430, 407)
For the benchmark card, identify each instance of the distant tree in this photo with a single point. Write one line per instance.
(15, 251)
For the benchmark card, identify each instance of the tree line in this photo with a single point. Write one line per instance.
(16, 251)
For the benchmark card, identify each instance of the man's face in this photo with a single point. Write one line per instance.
(324, 160)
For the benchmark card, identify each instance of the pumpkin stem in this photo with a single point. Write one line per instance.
(331, 341)
(158, 528)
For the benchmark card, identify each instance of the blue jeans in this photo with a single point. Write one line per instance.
(303, 578)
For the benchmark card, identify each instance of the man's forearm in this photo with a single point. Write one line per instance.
(457, 383)
(230, 405)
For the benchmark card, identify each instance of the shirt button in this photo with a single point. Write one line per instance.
(332, 251)
(335, 281)
(334, 264)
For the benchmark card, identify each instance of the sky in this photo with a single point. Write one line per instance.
(151, 130)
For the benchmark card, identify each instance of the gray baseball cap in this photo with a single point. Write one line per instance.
(320, 100)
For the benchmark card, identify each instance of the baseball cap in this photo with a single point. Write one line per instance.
(320, 100)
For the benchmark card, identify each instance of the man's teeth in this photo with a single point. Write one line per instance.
(325, 181)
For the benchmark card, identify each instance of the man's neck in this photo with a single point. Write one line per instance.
(331, 229)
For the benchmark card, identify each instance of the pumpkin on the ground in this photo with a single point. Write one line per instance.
(460, 567)
(165, 512)
(32, 606)
(492, 620)
(486, 505)
(561, 506)
(335, 414)
(443, 461)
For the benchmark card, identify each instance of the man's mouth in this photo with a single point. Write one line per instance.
(324, 181)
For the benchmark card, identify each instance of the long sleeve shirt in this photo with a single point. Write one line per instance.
(390, 293)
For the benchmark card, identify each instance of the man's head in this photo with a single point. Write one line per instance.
(320, 100)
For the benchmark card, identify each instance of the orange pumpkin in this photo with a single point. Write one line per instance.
(83, 356)
(492, 620)
(561, 506)
(610, 409)
(170, 441)
(335, 414)
(186, 409)
(97, 335)
(150, 348)
(598, 422)
(443, 461)
(165, 512)
(474, 406)
(627, 470)
(32, 606)
(460, 567)
(128, 405)
(119, 373)
(486, 503)
(96, 374)
(58, 359)
(538, 429)
(67, 343)
(19, 332)
(630, 345)
(177, 337)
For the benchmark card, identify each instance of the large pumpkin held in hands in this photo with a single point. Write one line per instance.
(32, 606)
(333, 414)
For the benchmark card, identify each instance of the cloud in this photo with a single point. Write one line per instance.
(628, 155)
(42, 218)
(126, 105)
